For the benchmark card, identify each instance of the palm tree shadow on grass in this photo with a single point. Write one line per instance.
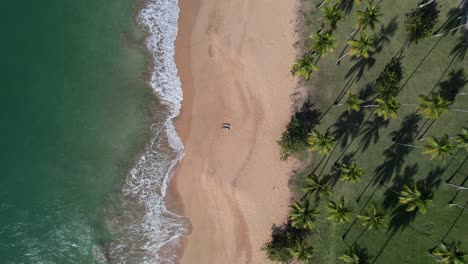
(309, 114)
(386, 32)
(457, 170)
(347, 6)
(347, 126)
(390, 197)
(401, 218)
(459, 51)
(371, 131)
(395, 155)
(360, 67)
(453, 85)
(451, 22)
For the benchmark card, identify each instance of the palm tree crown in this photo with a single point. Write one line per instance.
(388, 108)
(323, 43)
(338, 212)
(353, 102)
(314, 186)
(302, 251)
(449, 253)
(332, 14)
(302, 216)
(415, 199)
(362, 47)
(351, 173)
(369, 17)
(304, 66)
(374, 218)
(323, 143)
(439, 147)
(433, 107)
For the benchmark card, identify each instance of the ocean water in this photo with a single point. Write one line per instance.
(87, 146)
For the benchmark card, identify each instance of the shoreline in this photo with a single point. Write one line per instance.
(232, 187)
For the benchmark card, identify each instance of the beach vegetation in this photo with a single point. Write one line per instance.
(302, 215)
(321, 142)
(420, 22)
(338, 211)
(295, 138)
(304, 66)
(409, 186)
(322, 43)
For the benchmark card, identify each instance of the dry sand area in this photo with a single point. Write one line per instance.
(233, 58)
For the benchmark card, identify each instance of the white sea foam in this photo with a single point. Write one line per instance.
(146, 225)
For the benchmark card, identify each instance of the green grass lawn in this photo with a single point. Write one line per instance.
(431, 65)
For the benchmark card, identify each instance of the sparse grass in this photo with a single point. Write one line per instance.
(428, 66)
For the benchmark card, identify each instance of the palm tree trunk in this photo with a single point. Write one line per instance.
(390, 189)
(457, 186)
(321, 4)
(459, 206)
(425, 4)
(446, 32)
(458, 110)
(407, 145)
(409, 104)
(339, 59)
(424, 235)
(353, 32)
(367, 106)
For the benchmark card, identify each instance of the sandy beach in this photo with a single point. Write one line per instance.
(233, 59)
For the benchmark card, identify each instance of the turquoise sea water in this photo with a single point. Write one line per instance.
(75, 113)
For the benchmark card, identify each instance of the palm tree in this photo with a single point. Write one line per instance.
(317, 188)
(439, 147)
(433, 107)
(302, 251)
(323, 143)
(323, 43)
(375, 218)
(332, 14)
(360, 48)
(353, 102)
(355, 255)
(304, 66)
(302, 216)
(350, 257)
(462, 138)
(369, 17)
(414, 199)
(436, 147)
(386, 108)
(351, 173)
(449, 253)
(338, 212)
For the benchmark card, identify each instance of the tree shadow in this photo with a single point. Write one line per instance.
(347, 126)
(360, 67)
(459, 51)
(347, 6)
(454, 222)
(386, 32)
(390, 197)
(395, 155)
(453, 85)
(420, 63)
(371, 131)
(401, 218)
(452, 21)
(457, 170)
(443, 74)
(309, 115)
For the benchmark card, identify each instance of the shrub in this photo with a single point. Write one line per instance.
(387, 85)
(294, 139)
(283, 239)
(420, 22)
